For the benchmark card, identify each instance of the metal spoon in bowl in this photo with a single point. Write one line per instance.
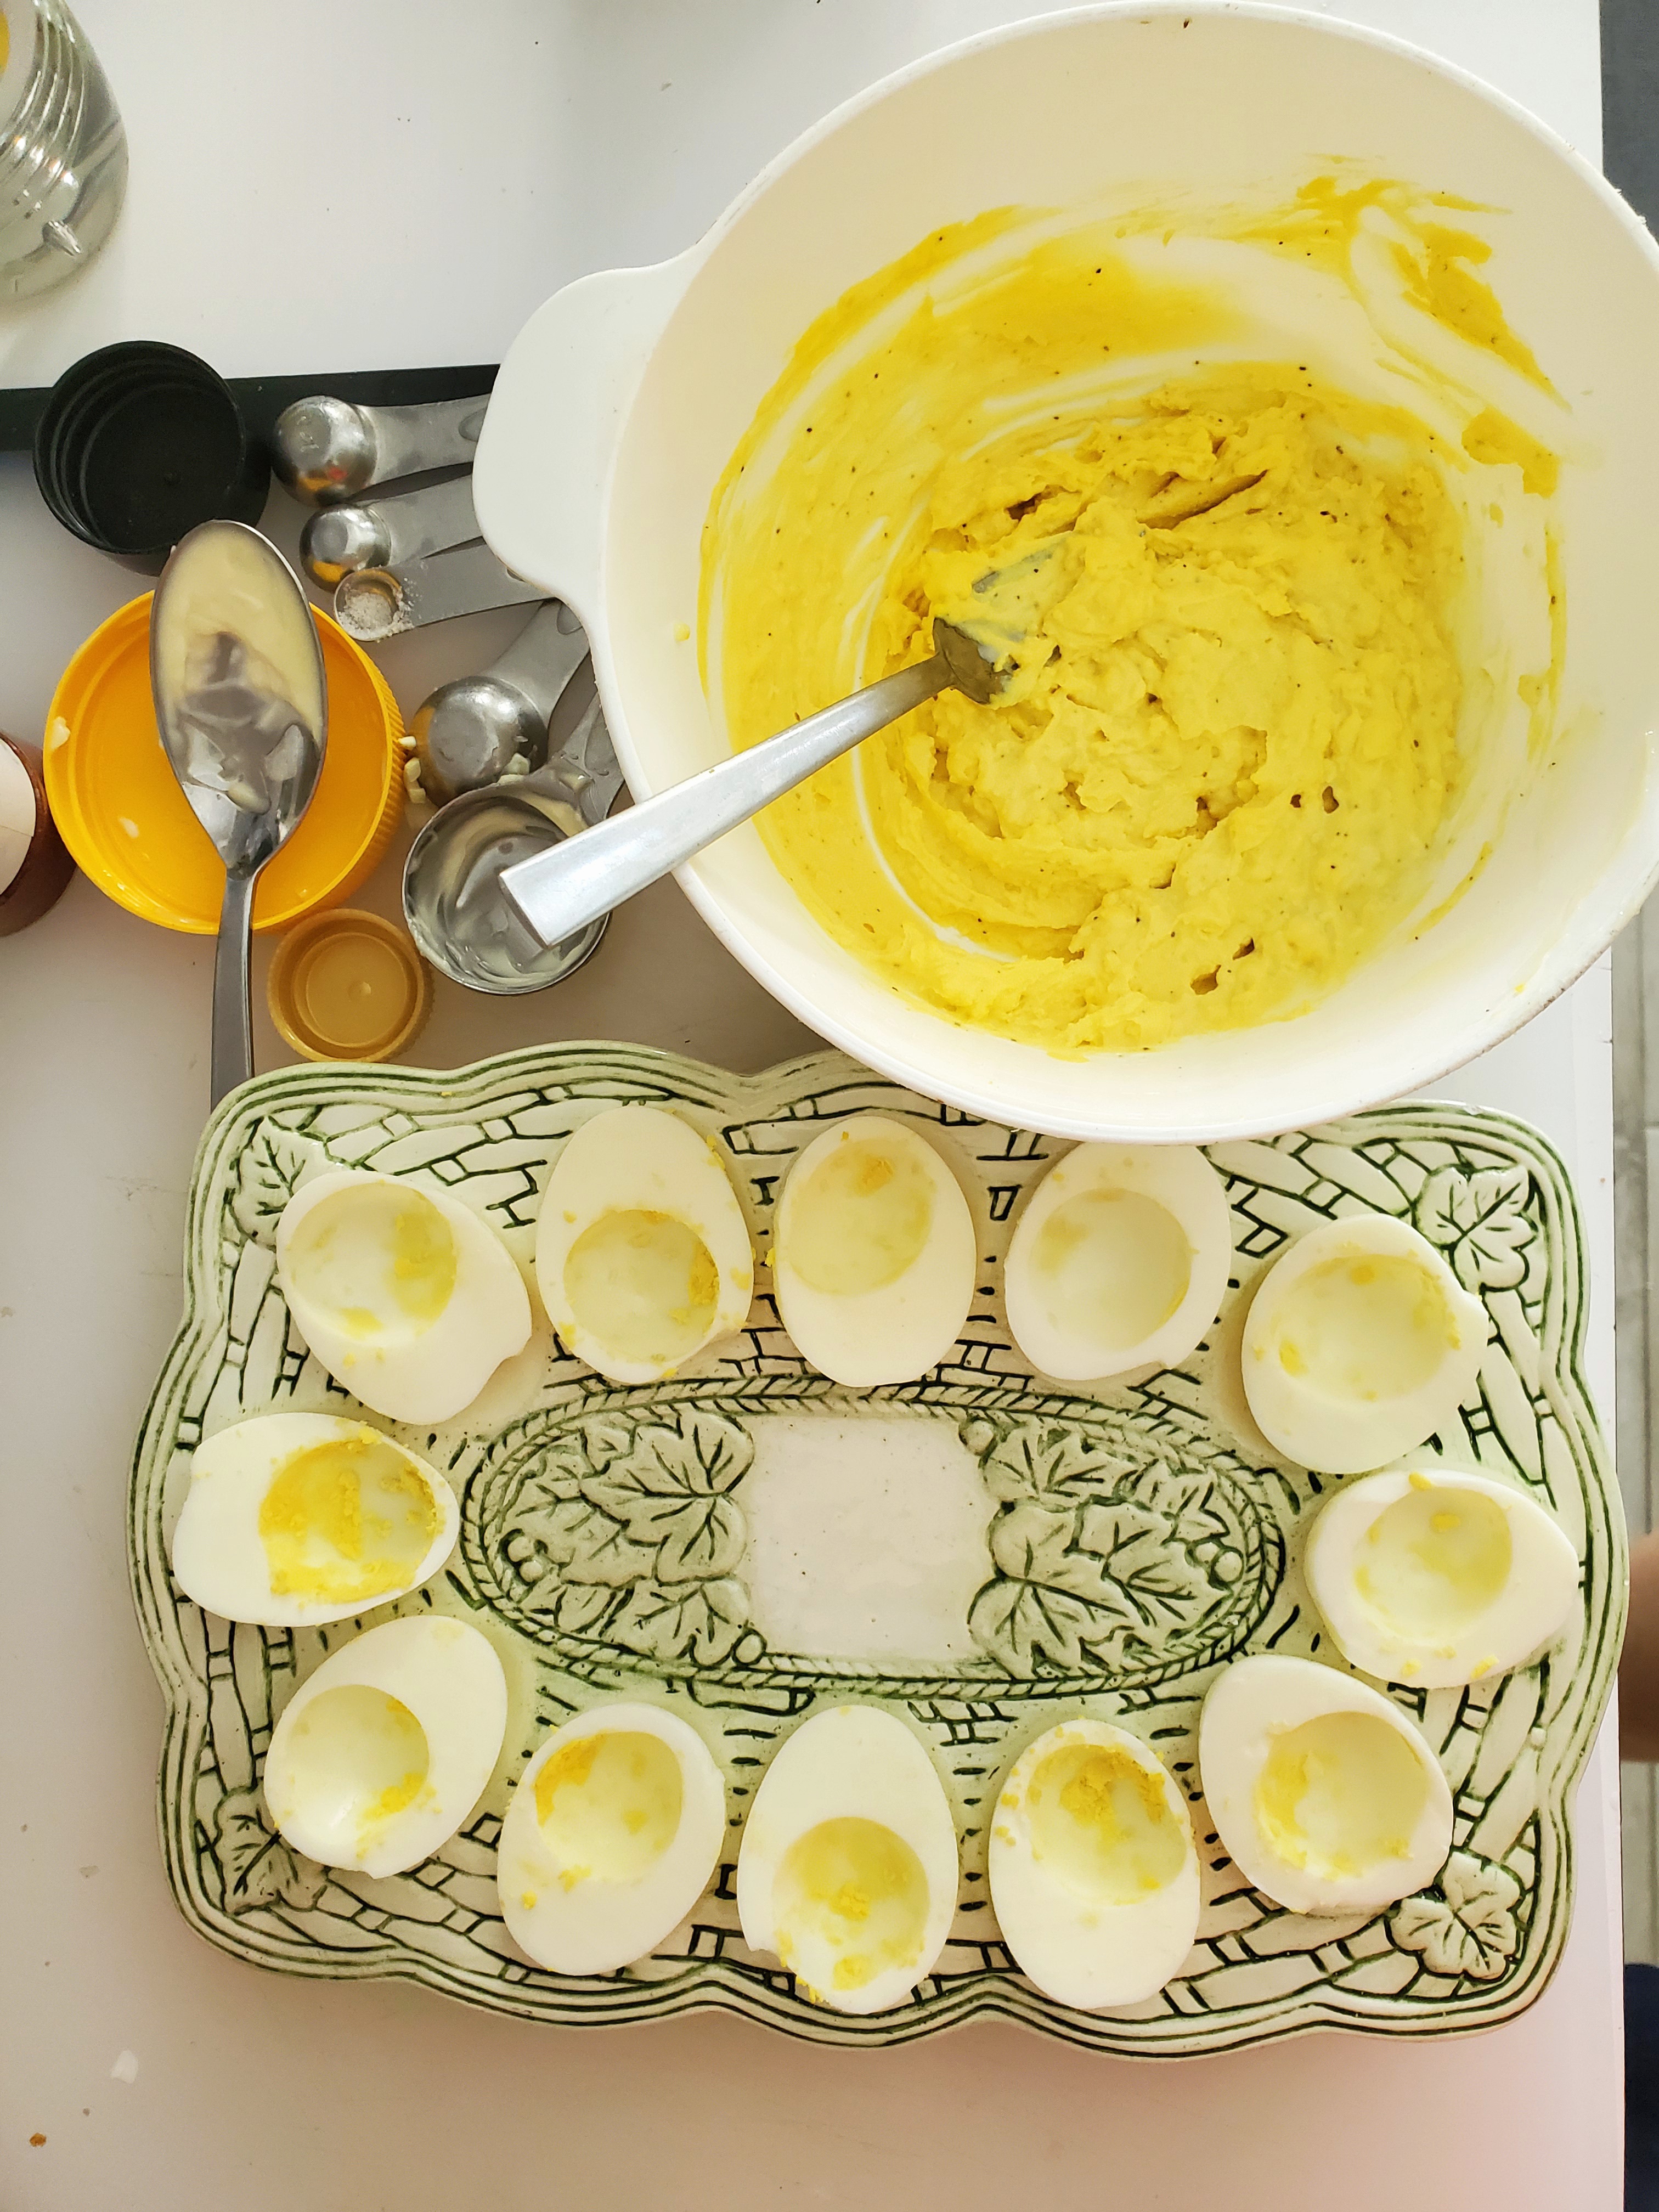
(559, 891)
(241, 703)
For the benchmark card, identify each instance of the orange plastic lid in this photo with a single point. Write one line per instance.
(348, 984)
(122, 814)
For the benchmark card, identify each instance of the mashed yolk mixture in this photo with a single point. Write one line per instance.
(1213, 782)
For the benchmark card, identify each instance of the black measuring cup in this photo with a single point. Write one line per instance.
(139, 442)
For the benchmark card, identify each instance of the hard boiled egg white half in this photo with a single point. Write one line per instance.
(873, 1253)
(1359, 1344)
(848, 1867)
(381, 1755)
(1435, 1577)
(1325, 1797)
(408, 1298)
(1093, 1873)
(613, 1832)
(293, 1519)
(642, 1253)
(1121, 1259)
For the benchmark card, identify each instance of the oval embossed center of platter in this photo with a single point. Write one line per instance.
(745, 1532)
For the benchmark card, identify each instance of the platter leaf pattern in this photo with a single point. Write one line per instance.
(1467, 1926)
(1134, 1539)
(259, 1868)
(1102, 1559)
(627, 1535)
(1479, 1222)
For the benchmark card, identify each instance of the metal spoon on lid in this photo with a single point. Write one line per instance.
(241, 703)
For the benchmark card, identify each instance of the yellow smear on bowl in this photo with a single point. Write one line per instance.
(1492, 438)
(1223, 597)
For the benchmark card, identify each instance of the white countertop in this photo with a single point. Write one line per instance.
(326, 187)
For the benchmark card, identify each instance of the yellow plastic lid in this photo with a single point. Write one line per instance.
(119, 809)
(346, 985)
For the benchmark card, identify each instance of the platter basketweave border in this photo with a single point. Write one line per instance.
(1137, 1538)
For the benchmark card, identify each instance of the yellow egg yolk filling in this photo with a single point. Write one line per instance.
(1434, 1561)
(1367, 1329)
(850, 1902)
(1112, 1266)
(1339, 1794)
(861, 1219)
(609, 1805)
(360, 1754)
(1101, 1821)
(643, 1284)
(381, 1261)
(1226, 599)
(345, 1522)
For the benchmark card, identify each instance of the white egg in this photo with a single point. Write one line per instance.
(293, 1519)
(1121, 1259)
(848, 1867)
(1436, 1577)
(1359, 1344)
(381, 1755)
(408, 1300)
(613, 1832)
(873, 1254)
(1094, 1878)
(642, 1253)
(1325, 1797)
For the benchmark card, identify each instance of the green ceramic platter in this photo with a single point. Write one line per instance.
(985, 1550)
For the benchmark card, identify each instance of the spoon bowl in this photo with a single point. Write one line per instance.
(241, 703)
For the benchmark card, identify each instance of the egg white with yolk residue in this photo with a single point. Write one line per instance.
(1436, 1577)
(381, 1755)
(614, 1831)
(294, 1519)
(1360, 1344)
(848, 1867)
(1324, 1796)
(407, 1297)
(1120, 1260)
(1094, 1878)
(642, 1253)
(873, 1254)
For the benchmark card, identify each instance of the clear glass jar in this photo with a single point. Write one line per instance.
(63, 151)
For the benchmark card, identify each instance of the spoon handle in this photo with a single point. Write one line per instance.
(233, 1017)
(561, 891)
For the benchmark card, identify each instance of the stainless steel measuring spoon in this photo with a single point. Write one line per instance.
(452, 899)
(378, 533)
(470, 731)
(326, 450)
(371, 604)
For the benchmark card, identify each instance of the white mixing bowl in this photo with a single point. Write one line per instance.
(621, 399)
